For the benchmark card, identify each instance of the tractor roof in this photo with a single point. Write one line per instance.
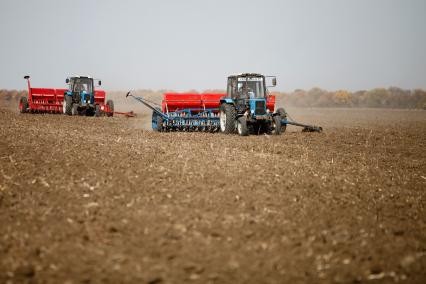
(83, 77)
(246, 75)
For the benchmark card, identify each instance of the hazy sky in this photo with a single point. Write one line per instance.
(196, 44)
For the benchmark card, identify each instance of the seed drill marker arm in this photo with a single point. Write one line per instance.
(306, 127)
(143, 101)
(157, 116)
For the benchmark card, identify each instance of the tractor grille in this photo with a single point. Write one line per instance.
(86, 98)
(260, 108)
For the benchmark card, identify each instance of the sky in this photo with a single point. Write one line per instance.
(195, 44)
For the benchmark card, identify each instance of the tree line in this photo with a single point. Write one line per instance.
(376, 98)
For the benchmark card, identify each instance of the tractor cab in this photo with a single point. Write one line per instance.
(81, 84)
(246, 86)
(81, 88)
(80, 96)
(248, 93)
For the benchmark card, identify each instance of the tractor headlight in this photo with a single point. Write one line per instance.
(267, 110)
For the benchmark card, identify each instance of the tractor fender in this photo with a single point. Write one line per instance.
(227, 101)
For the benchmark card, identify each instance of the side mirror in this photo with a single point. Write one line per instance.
(67, 80)
(99, 83)
(274, 82)
(27, 77)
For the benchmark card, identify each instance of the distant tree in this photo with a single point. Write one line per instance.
(316, 96)
(299, 98)
(377, 97)
(341, 98)
(214, 91)
(418, 99)
(358, 98)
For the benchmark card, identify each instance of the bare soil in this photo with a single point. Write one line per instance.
(90, 200)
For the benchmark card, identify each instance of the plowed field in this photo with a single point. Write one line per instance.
(89, 200)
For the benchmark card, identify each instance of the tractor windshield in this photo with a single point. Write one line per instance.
(82, 84)
(251, 88)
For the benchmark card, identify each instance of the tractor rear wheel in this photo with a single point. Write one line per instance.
(110, 105)
(283, 115)
(242, 126)
(276, 125)
(67, 106)
(227, 118)
(23, 105)
(74, 109)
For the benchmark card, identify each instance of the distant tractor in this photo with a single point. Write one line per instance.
(81, 98)
(244, 109)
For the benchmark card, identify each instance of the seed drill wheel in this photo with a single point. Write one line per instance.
(227, 118)
(157, 121)
(23, 105)
(160, 124)
(67, 105)
(242, 126)
(283, 114)
(110, 105)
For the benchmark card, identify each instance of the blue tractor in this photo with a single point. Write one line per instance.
(79, 99)
(244, 110)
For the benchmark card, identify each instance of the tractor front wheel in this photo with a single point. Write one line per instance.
(74, 109)
(242, 126)
(227, 118)
(67, 106)
(23, 105)
(97, 111)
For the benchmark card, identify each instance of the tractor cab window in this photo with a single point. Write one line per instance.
(232, 87)
(251, 88)
(82, 84)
